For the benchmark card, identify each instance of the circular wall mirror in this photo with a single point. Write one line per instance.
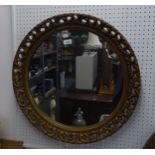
(76, 78)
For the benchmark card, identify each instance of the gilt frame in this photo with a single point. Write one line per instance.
(130, 68)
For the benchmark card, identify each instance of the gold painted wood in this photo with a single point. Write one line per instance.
(131, 76)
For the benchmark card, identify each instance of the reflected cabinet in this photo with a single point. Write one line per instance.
(76, 78)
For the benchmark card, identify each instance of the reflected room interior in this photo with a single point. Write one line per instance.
(75, 78)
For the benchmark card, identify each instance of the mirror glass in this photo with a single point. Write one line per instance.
(75, 78)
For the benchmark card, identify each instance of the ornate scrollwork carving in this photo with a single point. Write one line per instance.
(126, 105)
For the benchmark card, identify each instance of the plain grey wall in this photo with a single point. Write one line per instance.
(7, 100)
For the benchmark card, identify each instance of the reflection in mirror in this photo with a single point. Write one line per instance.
(75, 78)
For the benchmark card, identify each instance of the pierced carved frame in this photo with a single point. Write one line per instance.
(131, 75)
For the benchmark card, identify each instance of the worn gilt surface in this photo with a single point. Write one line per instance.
(50, 129)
